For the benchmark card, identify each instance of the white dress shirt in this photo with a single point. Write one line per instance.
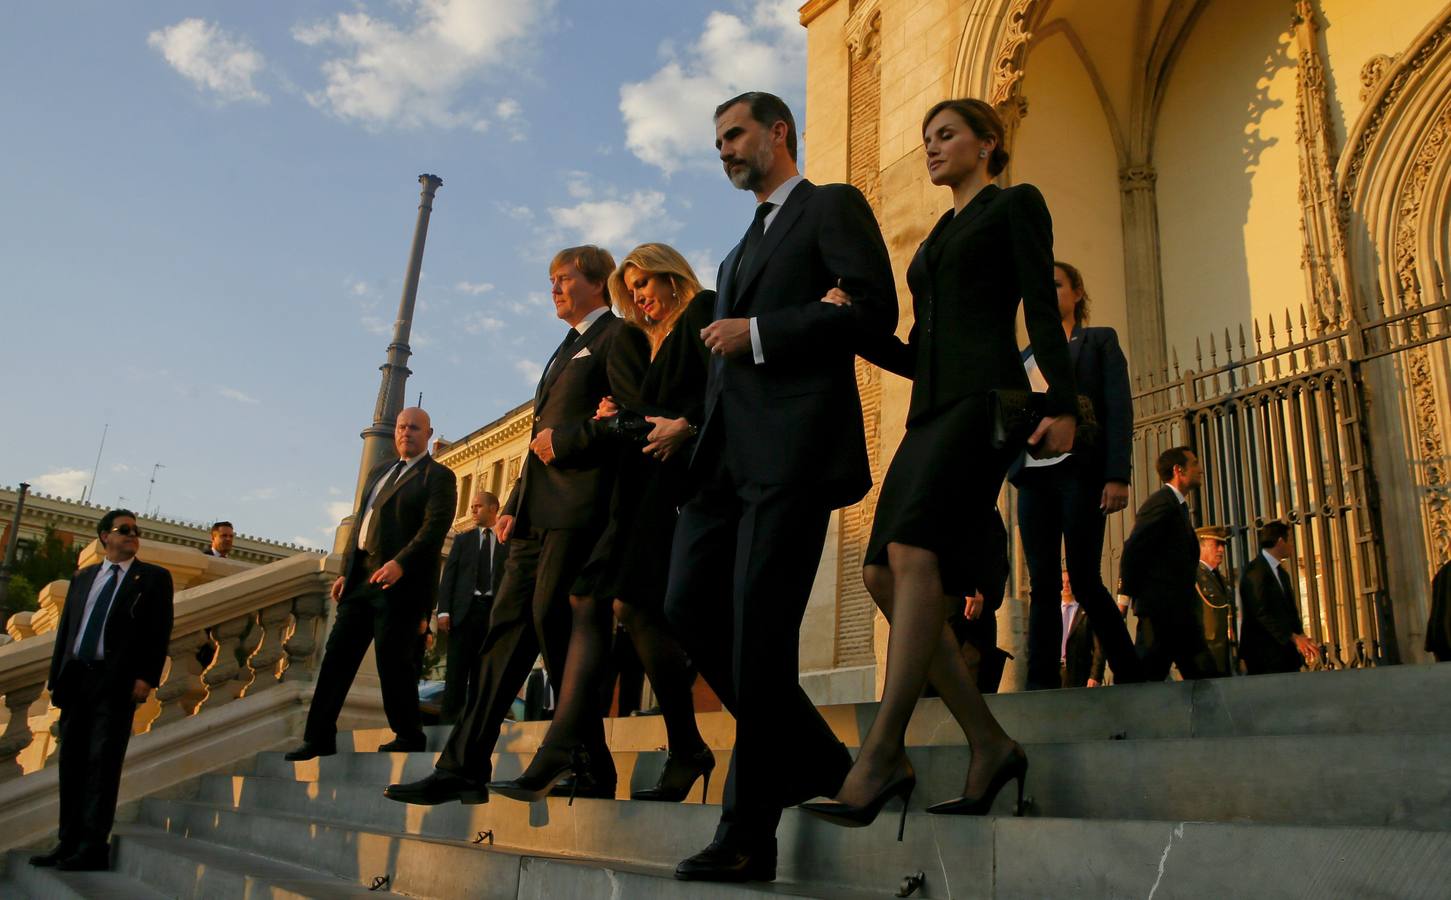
(777, 198)
(1070, 609)
(377, 489)
(101, 578)
(583, 324)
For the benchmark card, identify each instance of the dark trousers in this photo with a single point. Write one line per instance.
(1271, 660)
(95, 727)
(369, 615)
(741, 569)
(531, 615)
(465, 642)
(1058, 507)
(1169, 636)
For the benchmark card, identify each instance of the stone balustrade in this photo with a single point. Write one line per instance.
(232, 638)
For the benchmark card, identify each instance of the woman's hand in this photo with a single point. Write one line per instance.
(607, 408)
(1115, 497)
(668, 436)
(1052, 437)
(973, 608)
(837, 297)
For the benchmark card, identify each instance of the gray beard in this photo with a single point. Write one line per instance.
(753, 174)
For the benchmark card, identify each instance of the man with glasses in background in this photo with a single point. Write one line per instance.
(110, 648)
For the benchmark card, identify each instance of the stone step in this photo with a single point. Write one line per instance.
(22, 881)
(424, 867)
(1352, 701)
(962, 857)
(179, 867)
(1395, 780)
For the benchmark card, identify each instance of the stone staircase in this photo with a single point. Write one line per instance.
(1324, 785)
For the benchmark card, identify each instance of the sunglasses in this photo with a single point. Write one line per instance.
(127, 531)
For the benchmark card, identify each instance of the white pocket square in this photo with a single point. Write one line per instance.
(581, 354)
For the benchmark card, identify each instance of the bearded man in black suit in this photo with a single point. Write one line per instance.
(110, 648)
(385, 594)
(1157, 573)
(782, 444)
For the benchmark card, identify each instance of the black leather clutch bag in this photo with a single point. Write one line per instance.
(1015, 413)
(629, 427)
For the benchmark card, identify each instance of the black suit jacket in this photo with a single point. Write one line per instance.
(1271, 620)
(1102, 374)
(1160, 558)
(573, 491)
(461, 573)
(413, 515)
(1084, 658)
(138, 628)
(1438, 626)
(967, 280)
(797, 418)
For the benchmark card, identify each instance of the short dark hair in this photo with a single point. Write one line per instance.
(1075, 281)
(109, 519)
(218, 526)
(984, 122)
(1169, 459)
(1271, 533)
(594, 263)
(768, 109)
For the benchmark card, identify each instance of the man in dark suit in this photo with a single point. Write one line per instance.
(1215, 597)
(385, 594)
(1273, 638)
(471, 576)
(551, 521)
(780, 447)
(222, 536)
(110, 648)
(1157, 573)
(1081, 661)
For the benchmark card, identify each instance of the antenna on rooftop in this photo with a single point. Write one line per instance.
(91, 490)
(149, 489)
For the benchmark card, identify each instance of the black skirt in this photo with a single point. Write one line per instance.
(942, 485)
(631, 560)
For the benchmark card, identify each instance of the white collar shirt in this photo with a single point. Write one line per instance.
(95, 593)
(583, 324)
(377, 489)
(777, 199)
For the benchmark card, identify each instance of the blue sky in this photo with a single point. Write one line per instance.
(208, 208)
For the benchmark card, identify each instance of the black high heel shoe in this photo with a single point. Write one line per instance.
(678, 777)
(1014, 769)
(547, 768)
(861, 816)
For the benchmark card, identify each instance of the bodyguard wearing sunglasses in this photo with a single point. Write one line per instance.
(109, 652)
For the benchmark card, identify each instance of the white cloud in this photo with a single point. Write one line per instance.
(474, 287)
(620, 222)
(476, 323)
(262, 493)
(668, 115)
(530, 369)
(375, 325)
(705, 265)
(337, 510)
(62, 482)
(409, 75)
(358, 287)
(519, 213)
(120, 467)
(507, 109)
(239, 396)
(211, 59)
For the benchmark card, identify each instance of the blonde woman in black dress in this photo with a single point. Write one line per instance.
(993, 248)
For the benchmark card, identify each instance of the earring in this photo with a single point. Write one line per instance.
(982, 154)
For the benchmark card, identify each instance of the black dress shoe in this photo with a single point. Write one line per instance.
(48, 860)
(309, 750)
(86, 859)
(678, 777)
(440, 787)
(405, 745)
(720, 861)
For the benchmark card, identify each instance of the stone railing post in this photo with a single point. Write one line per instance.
(182, 690)
(308, 613)
(274, 621)
(227, 677)
(17, 734)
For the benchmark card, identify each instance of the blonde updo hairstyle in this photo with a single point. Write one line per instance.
(660, 260)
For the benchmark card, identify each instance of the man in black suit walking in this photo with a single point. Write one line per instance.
(385, 594)
(1273, 638)
(1157, 573)
(1081, 661)
(471, 576)
(110, 648)
(551, 521)
(781, 446)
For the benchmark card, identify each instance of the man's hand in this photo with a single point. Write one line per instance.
(140, 690)
(974, 606)
(667, 436)
(387, 574)
(1093, 682)
(503, 527)
(1053, 436)
(337, 589)
(608, 407)
(543, 445)
(727, 337)
(1115, 497)
(443, 620)
(1307, 648)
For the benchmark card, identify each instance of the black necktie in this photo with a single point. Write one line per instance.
(1285, 582)
(484, 577)
(96, 626)
(562, 354)
(393, 474)
(754, 234)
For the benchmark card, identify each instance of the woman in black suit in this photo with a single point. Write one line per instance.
(1065, 501)
(993, 247)
(657, 293)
